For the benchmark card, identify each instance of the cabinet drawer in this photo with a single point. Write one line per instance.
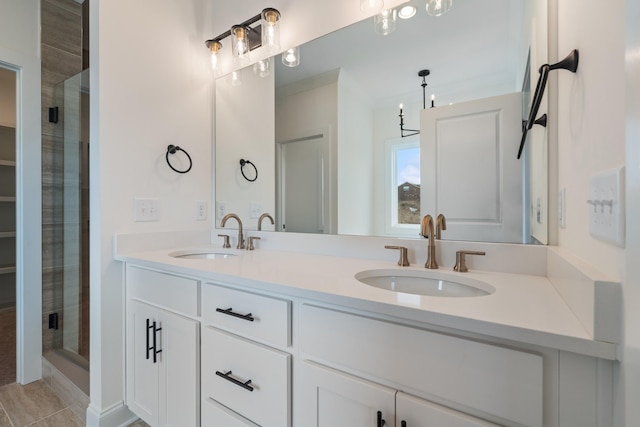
(267, 401)
(483, 377)
(173, 292)
(229, 309)
(216, 415)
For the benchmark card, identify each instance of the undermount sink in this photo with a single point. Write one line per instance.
(429, 283)
(201, 254)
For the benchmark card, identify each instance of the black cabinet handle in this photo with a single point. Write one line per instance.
(380, 422)
(229, 312)
(148, 348)
(403, 423)
(227, 376)
(155, 344)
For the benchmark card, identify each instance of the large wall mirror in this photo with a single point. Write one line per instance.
(325, 138)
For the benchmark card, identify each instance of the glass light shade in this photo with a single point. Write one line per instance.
(438, 7)
(240, 44)
(214, 48)
(371, 5)
(262, 68)
(235, 78)
(385, 22)
(291, 57)
(270, 30)
(406, 12)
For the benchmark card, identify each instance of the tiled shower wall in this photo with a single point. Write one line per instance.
(61, 42)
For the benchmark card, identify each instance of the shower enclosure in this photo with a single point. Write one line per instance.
(69, 316)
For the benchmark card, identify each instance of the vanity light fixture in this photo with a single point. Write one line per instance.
(438, 7)
(291, 57)
(246, 37)
(371, 5)
(423, 74)
(385, 22)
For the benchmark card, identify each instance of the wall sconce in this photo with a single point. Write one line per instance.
(371, 5)
(291, 57)
(246, 38)
(385, 22)
(438, 7)
(423, 74)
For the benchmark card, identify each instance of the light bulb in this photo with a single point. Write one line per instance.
(235, 78)
(407, 12)
(214, 48)
(262, 68)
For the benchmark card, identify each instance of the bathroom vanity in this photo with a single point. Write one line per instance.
(276, 338)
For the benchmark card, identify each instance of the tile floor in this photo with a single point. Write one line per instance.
(36, 405)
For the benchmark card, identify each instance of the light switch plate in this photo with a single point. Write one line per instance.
(606, 206)
(146, 210)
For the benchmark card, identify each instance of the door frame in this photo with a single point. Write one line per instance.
(28, 214)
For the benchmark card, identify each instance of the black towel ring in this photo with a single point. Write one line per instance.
(173, 149)
(247, 162)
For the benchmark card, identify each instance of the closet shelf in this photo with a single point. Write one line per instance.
(7, 234)
(7, 163)
(7, 199)
(7, 269)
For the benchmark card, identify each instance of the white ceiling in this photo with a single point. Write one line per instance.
(477, 40)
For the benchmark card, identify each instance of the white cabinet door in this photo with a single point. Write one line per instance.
(414, 412)
(334, 399)
(162, 390)
(469, 168)
(142, 374)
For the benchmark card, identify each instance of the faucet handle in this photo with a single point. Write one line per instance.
(226, 243)
(250, 247)
(403, 260)
(461, 263)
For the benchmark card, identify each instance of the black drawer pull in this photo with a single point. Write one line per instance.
(148, 348)
(227, 376)
(381, 422)
(228, 311)
(403, 423)
(155, 344)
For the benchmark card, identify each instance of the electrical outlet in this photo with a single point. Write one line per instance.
(146, 210)
(255, 209)
(201, 210)
(221, 209)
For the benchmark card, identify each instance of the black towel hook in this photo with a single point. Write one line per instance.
(244, 162)
(173, 149)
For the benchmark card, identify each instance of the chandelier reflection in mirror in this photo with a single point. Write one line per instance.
(247, 36)
(410, 132)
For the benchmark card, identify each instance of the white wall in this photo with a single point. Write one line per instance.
(590, 119)
(591, 138)
(150, 87)
(627, 385)
(20, 51)
(245, 127)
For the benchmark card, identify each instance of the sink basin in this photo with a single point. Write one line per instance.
(201, 254)
(429, 283)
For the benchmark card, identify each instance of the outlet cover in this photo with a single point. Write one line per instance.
(221, 209)
(255, 209)
(201, 210)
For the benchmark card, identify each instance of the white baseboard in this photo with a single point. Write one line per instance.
(117, 415)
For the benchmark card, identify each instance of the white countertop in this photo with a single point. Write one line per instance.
(524, 308)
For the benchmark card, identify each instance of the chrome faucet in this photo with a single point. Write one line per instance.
(426, 230)
(240, 236)
(263, 216)
(441, 224)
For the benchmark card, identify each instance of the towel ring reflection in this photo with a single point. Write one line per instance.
(173, 149)
(244, 162)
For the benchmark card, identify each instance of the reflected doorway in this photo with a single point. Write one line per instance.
(7, 226)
